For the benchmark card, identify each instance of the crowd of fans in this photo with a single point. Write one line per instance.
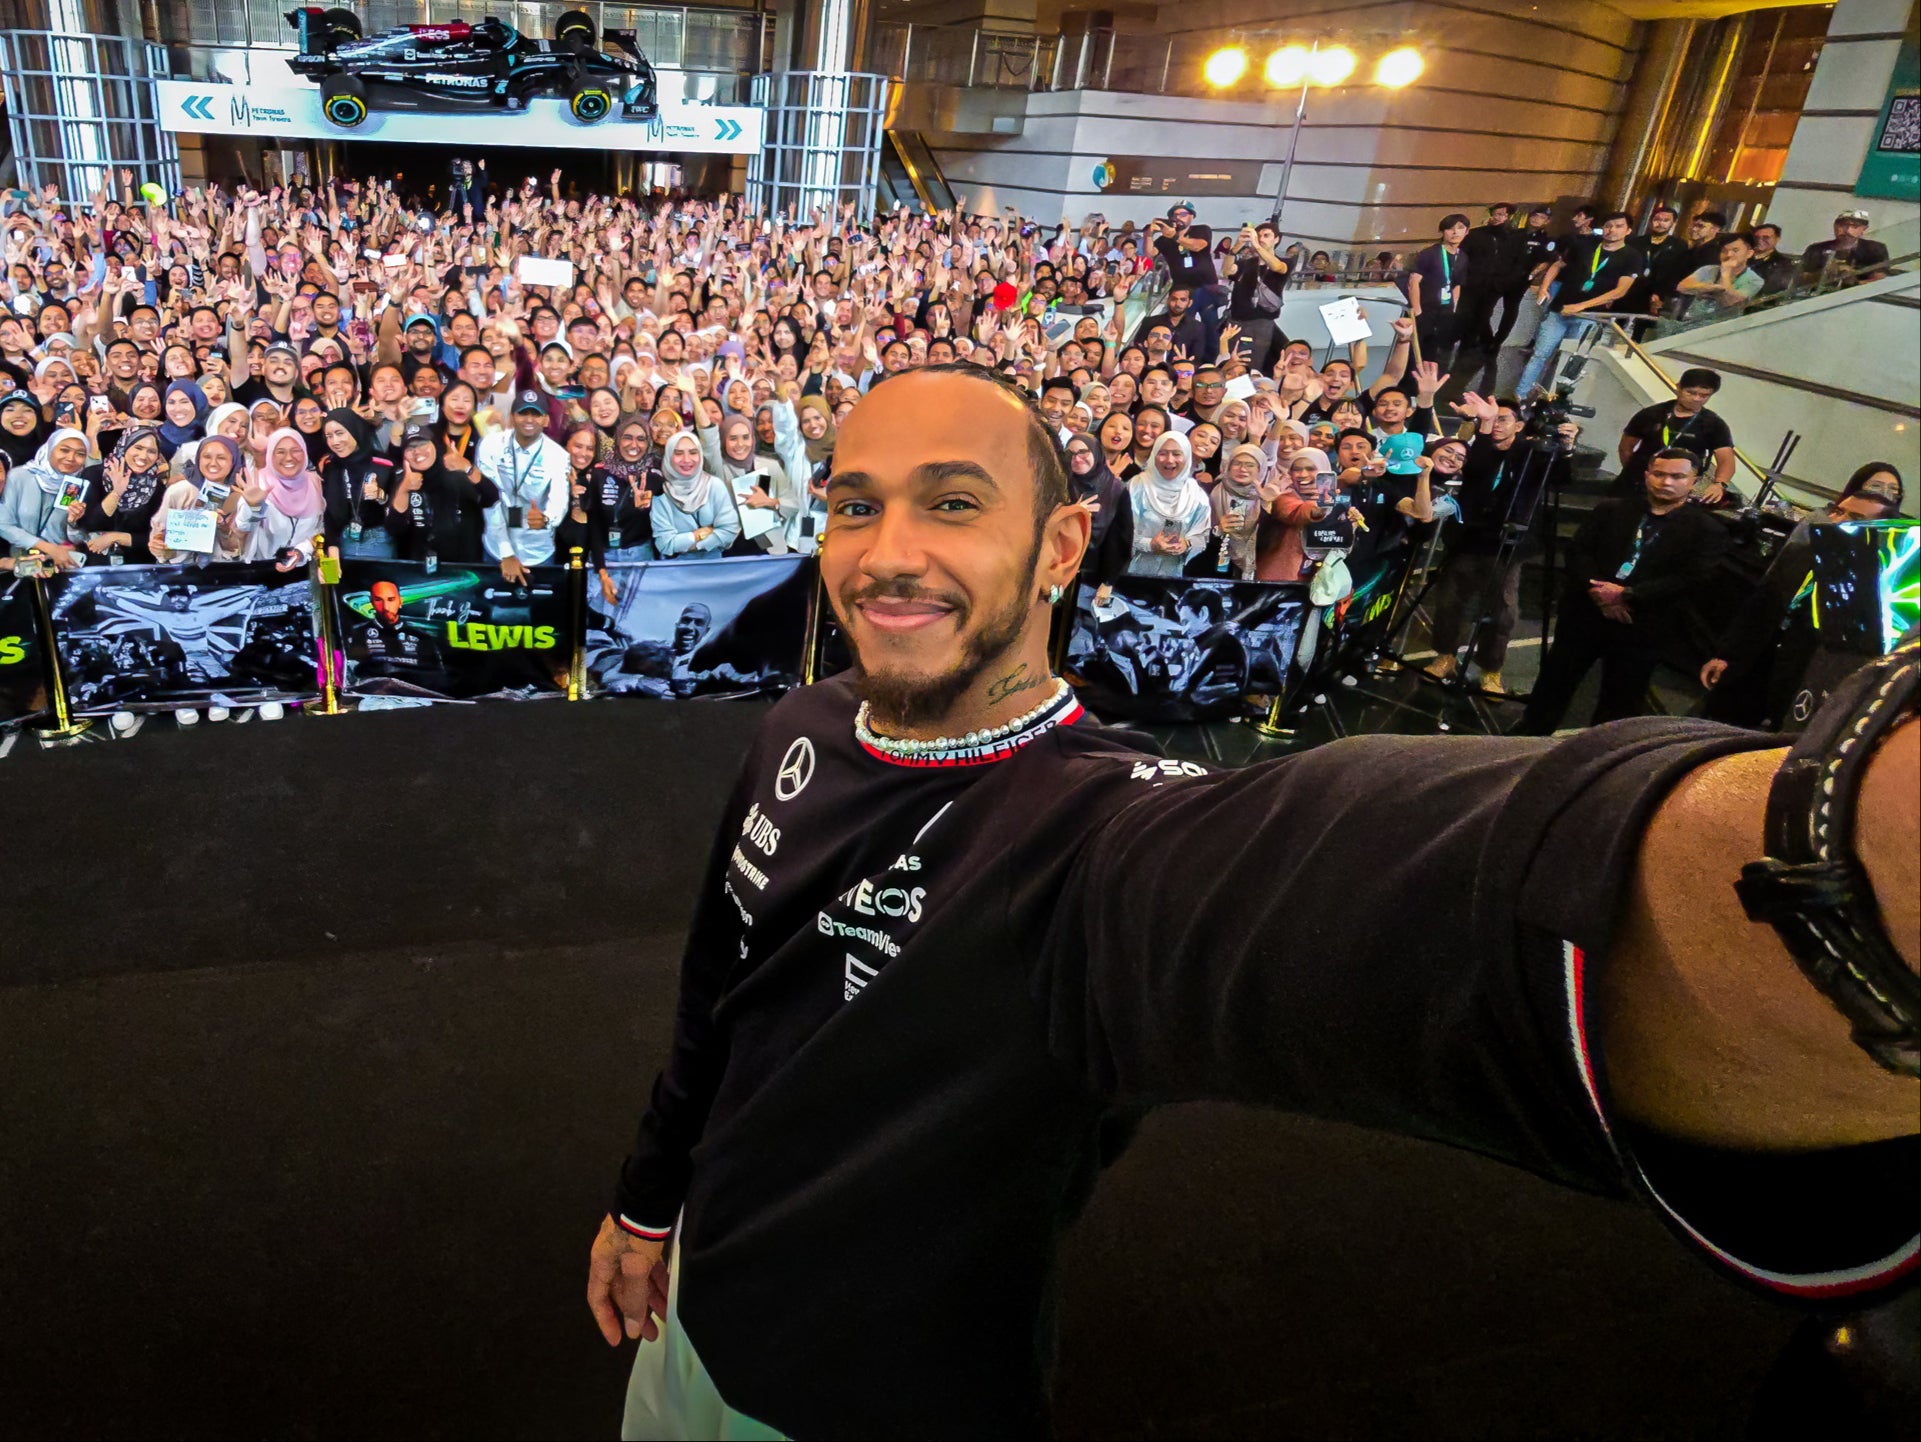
(344, 367)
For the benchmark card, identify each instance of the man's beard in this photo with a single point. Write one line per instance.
(903, 702)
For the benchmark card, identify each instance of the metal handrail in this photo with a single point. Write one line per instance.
(1759, 473)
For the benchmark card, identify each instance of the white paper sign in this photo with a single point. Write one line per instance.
(191, 531)
(535, 270)
(1240, 388)
(755, 521)
(1345, 323)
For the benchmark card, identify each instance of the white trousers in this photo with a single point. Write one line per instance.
(670, 1396)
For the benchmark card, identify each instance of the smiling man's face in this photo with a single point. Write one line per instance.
(933, 550)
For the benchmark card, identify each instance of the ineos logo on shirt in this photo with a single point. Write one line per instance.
(796, 770)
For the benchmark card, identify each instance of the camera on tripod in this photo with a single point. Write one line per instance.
(1548, 414)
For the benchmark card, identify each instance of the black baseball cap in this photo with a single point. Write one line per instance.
(415, 433)
(529, 400)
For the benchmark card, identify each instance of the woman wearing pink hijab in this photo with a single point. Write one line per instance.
(283, 511)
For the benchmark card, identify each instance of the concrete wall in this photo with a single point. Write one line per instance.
(1837, 127)
(1518, 102)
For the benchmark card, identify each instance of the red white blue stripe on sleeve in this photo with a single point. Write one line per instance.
(651, 1234)
(1811, 1286)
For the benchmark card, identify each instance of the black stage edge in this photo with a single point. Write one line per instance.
(320, 1042)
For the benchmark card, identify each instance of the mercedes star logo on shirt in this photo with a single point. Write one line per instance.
(796, 770)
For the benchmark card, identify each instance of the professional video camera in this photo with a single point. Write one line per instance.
(1550, 412)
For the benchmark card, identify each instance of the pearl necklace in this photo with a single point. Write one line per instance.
(975, 745)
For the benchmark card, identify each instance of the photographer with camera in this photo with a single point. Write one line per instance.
(1502, 481)
(1631, 568)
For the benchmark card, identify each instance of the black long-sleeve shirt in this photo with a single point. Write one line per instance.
(911, 993)
(1498, 484)
(1667, 557)
(446, 516)
(343, 486)
(133, 513)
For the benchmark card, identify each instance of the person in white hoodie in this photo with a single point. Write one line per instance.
(532, 472)
(1171, 515)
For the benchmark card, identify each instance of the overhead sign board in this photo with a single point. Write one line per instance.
(292, 112)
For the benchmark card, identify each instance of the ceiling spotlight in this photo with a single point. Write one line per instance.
(1398, 68)
(1331, 67)
(1287, 67)
(1225, 67)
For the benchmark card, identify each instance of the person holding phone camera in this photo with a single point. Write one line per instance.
(43, 501)
(1257, 278)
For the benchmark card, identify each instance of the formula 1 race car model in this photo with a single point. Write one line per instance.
(468, 65)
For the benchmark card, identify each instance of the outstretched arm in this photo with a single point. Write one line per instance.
(1531, 950)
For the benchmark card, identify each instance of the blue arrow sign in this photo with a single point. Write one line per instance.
(727, 129)
(200, 107)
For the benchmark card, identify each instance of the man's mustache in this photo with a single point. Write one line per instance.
(906, 591)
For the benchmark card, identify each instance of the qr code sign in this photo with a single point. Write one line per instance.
(1903, 130)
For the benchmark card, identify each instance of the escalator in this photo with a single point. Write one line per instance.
(909, 174)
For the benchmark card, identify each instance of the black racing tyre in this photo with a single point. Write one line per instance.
(588, 100)
(575, 27)
(340, 25)
(343, 100)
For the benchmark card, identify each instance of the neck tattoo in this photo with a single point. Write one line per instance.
(1013, 683)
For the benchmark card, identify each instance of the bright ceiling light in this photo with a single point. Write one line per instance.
(1225, 67)
(1398, 68)
(1287, 67)
(1331, 67)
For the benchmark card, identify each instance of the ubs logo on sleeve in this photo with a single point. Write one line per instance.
(796, 770)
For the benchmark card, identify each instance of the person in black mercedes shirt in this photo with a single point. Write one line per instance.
(1630, 569)
(949, 926)
(1687, 422)
(384, 645)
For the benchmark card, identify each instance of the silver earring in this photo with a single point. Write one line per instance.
(1053, 595)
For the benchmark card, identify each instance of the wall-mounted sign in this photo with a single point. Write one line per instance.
(292, 111)
(1173, 176)
(1892, 166)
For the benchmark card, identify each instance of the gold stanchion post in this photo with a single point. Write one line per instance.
(65, 724)
(325, 573)
(816, 606)
(1270, 724)
(577, 604)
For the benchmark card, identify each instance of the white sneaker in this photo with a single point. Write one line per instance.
(271, 711)
(186, 716)
(218, 713)
(124, 723)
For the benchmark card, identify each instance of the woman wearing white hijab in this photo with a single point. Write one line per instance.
(31, 516)
(695, 515)
(1171, 516)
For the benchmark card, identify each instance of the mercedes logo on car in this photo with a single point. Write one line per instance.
(796, 770)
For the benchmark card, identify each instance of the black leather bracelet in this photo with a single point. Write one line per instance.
(1812, 888)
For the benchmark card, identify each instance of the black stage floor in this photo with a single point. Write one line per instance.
(320, 1043)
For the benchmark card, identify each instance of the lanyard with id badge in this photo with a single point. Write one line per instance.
(516, 500)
